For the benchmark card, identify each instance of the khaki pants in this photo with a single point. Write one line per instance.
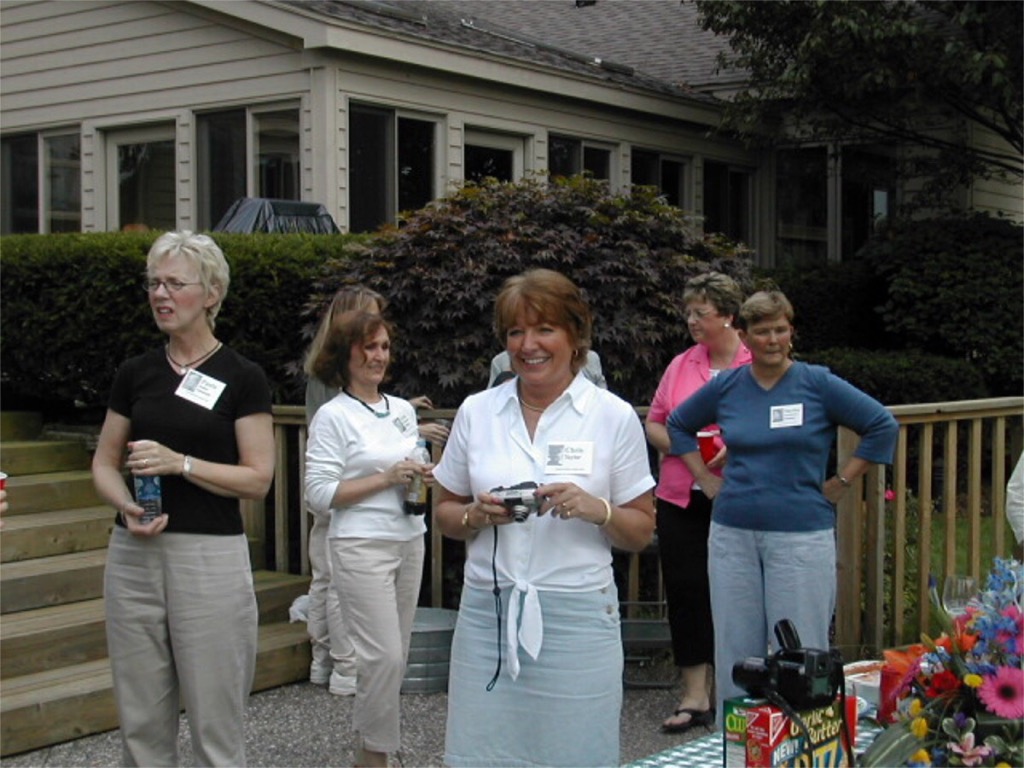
(181, 631)
(378, 584)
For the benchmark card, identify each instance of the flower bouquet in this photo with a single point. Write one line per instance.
(961, 700)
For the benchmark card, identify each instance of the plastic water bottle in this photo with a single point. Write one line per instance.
(149, 497)
(416, 492)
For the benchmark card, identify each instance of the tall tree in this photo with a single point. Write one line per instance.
(894, 72)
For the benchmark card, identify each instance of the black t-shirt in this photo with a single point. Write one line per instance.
(144, 392)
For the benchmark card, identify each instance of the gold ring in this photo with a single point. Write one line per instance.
(145, 463)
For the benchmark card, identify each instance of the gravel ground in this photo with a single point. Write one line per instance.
(303, 725)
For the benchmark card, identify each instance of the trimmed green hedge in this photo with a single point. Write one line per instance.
(72, 308)
(896, 377)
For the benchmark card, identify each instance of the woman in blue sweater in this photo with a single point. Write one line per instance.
(771, 550)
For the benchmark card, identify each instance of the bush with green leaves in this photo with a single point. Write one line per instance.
(443, 267)
(833, 305)
(896, 377)
(953, 288)
(72, 308)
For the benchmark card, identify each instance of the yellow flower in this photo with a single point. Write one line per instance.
(973, 681)
(915, 707)
(919, 727)
(1002, 765)
(921, 757)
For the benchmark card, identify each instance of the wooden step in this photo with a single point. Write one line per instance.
(61, 635)
(51, 580)
(55, 533)
(48, 491)
(58, 705)
(20, 425)
(29, 457)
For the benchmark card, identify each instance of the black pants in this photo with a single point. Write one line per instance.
(683, 549)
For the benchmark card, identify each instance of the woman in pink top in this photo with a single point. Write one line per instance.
(683, 512)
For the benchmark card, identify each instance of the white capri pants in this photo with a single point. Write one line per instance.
(378, 584)
(181, 622)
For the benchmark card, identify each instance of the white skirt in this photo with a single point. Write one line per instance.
(564, 707)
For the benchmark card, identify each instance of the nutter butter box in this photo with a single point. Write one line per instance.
(759, 735)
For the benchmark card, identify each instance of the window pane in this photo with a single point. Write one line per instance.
(726, 201)
(415, 164)
(221, 164)
(563, 156)
(370, 157)
(484, 162)
(802, 195)
(146, 185)
(277, 154)
(868, 196)
(19, 192)
(63, 200)
(672, 182)
(643, 168)
(598, 162)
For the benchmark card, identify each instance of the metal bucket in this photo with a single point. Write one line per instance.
(429, 651)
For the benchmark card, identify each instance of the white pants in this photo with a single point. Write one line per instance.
(181, 630)
(378, 583)
(327, 632)
(757, 579)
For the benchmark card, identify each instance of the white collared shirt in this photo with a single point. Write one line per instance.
(489, 446)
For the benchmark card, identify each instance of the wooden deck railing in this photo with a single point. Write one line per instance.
(947, 484)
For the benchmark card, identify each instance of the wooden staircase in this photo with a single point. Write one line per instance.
(54, 672)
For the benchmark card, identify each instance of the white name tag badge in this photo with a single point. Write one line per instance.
(569, 458)
(200, 389)
(785, 416)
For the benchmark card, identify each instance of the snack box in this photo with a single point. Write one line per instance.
(757, 734)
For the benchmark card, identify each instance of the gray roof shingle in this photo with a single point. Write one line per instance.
(653, 45)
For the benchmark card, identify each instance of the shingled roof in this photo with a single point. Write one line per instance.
(652, 45)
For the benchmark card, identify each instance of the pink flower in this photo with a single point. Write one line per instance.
(1003, 693)
(890, 494)
(970, 754)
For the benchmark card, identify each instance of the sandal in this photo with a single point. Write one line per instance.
(698, 717)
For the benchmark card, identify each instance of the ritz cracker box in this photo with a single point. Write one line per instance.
(757, 734)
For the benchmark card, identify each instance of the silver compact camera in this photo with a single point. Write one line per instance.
(519, 500)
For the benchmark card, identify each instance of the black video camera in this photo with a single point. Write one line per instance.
(805, 678)
(519, 499)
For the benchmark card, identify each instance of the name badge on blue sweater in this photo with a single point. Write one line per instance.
(785, 416)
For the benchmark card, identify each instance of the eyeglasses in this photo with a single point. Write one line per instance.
(172, 286)
(700, 314)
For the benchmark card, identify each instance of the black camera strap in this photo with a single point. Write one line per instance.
(497, 605)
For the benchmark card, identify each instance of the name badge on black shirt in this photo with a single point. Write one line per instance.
(200, 389)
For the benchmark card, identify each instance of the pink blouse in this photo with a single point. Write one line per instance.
(687, 373)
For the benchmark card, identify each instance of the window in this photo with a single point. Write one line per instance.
(225, 141)
(651, 169)
(276, 153)
(57, 206)
(802, 202)
(830, 200)
(391, 165)
(220, 153)
(141, 180)
(567, 157)
(493, 155)
(727, 201)
(868, 196)
(20, 155)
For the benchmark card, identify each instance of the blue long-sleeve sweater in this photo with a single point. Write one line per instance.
(779, 442)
